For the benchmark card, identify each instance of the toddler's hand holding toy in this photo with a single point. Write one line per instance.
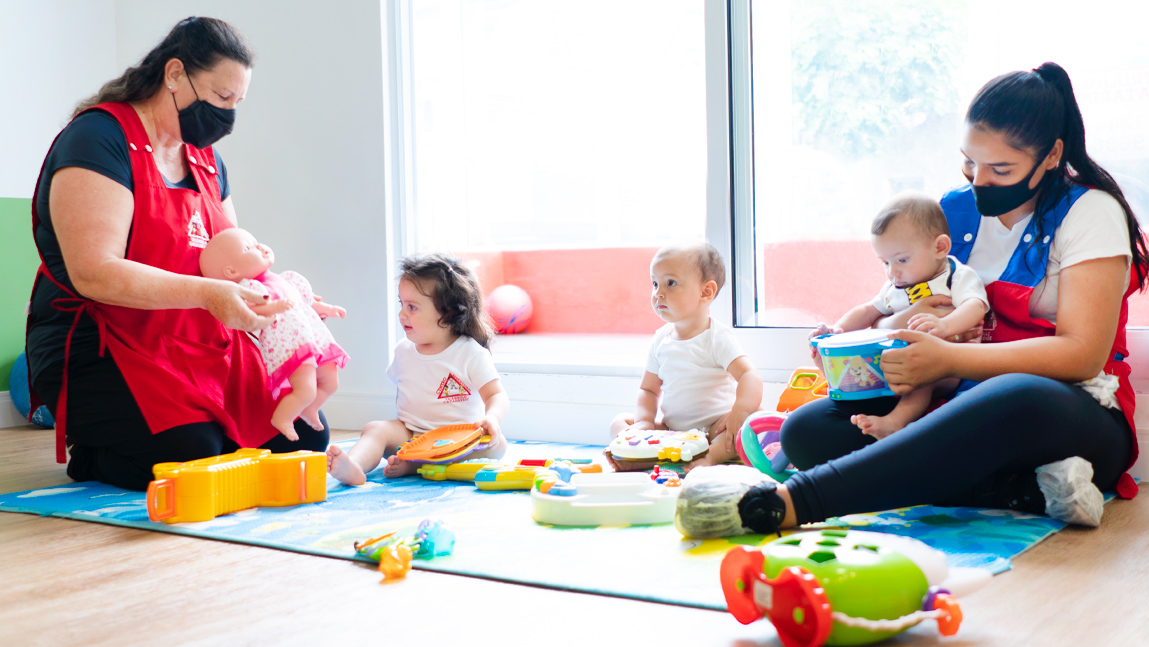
(490, 425)
(822, 329)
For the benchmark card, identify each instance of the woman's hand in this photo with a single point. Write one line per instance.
(241, 308)
(926, 360)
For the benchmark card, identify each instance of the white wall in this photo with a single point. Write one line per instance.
(306, 161)
(53, 54)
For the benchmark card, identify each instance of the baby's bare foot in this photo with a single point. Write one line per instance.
(710, 458)
(345, 470)
(396, 468)
(877, 426)
(311, 417)
(285, 427)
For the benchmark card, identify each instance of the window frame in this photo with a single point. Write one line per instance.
(775, 351)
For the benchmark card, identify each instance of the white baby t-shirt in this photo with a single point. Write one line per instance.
(964, 285)
(696, 389)
(443, 389)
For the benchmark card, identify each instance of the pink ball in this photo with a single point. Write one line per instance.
(510, 307)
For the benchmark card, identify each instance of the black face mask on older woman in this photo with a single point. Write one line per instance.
(202, 124)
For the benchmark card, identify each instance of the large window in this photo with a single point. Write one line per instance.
(837, 106)
(558, 125)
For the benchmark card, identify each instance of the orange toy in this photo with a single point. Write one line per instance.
(206, 488)
(395, 562)
(806, 384)
(442, 443)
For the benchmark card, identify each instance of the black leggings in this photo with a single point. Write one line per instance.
(110, 441)
(980, 449)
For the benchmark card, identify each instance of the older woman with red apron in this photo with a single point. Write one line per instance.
(140, 359)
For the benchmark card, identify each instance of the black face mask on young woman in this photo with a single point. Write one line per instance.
(993, 201)
(202, 124)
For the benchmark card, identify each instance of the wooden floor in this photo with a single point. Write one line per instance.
(66, 582)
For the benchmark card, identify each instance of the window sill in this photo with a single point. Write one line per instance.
(570, 354)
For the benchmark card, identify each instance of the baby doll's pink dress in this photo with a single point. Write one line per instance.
(297, 335)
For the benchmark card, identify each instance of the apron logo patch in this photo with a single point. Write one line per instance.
(197, 233)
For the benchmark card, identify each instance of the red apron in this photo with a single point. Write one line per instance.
(182, 366)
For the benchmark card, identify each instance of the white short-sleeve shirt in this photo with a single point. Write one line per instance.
(1095, 227)
(443, 389)
(696, 389)
(964, 285)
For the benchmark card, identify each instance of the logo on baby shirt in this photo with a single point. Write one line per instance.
(197, 232)
(452, 389)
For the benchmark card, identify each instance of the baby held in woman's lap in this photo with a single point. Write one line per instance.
(911, 237)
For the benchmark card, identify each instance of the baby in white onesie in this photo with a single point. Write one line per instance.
(697, 376)
(911, 237)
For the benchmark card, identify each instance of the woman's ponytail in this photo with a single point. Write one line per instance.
(1035, 109)
(1081, 169)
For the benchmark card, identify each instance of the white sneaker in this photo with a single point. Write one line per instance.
(1070, 494)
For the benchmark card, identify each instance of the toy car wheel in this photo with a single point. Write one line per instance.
(740, 568)
(800, 610)
(948, 624)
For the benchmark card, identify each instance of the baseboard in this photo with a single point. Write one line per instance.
(9, 416)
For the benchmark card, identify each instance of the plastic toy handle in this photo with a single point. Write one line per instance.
(302, 481)
(813, 379)
(168, 486)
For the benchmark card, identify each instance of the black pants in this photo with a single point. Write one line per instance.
(109, 439)
(980, 449)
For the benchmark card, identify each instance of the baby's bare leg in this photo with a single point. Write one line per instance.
(291, 405)
(326, 383)
(909, 408)
(717, 453)
(495, 451)
(378, 438)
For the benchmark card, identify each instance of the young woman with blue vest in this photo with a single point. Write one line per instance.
(1046, 418)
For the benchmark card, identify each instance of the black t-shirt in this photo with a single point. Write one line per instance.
(94, 141)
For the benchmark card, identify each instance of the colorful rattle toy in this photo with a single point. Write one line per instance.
(493, 478)
(432, 539)
(444, 444)
(845, 587)
(659, 445)
(852, 363)
(203, 489)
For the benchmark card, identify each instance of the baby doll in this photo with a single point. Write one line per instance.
(298, 350)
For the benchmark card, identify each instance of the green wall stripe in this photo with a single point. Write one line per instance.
(18, 263)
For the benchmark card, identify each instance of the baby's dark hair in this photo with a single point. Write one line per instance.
(455, 291)
(705, 257)
(924, 213)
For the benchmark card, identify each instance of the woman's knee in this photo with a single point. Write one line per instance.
(190, 442)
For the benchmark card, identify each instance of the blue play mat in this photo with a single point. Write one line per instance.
(497, 539)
